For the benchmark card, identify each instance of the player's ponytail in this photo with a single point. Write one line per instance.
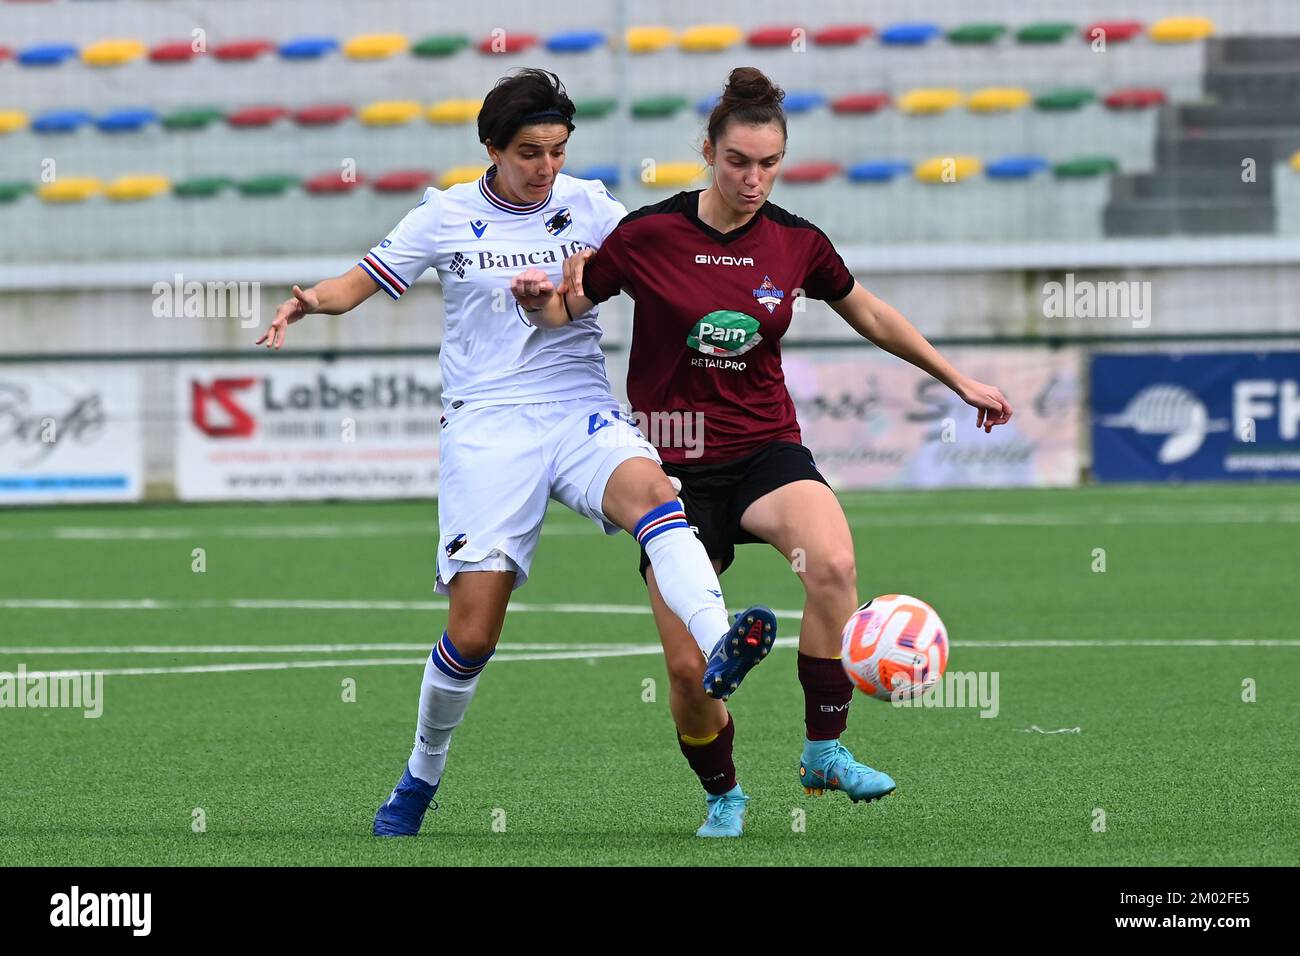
(750, 98)
(525, 97)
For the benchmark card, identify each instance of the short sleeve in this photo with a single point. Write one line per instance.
(408, 250)
(609, 211)
(606, 272)
(828, 277)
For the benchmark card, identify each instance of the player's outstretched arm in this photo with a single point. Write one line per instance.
(331, 296)
(877, 320)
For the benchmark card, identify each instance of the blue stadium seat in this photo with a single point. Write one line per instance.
(803, 102)
(46, 54)
(1016, 167)
(909, 34)
(60, 121)
(607, 174)
(705, 106)
(308, 48)
(575, 41)
(878, 170)
(126, 121)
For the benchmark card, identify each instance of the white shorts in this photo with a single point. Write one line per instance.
(501, 464)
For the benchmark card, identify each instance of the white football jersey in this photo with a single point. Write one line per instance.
(491, 354)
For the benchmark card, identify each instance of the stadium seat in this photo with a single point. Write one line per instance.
(126, 121)
(1181, 29)
(13, 190)
(1114, 31)
(1134, 98)
(842, 35)
(675, 175)
(113, 52)
(648, 39)
(12, 120)
(402, 181)
(997, 99)
(308, 48)
(594, 107)
(797, 102)
(237, 51)
(460, 174)
(5, 53)
(607, 174)
(251, 117)
(332, 183)
(46, 54)
(811, 172)
(1016, 167)
(860, 103)
(909, 34)
(389, 112)
(375, 46)
(575, 41)
(438, 45)
(173, 51)
(877, 170)
(772, 36)
(1084, 167)
(508, 41)
(1064, 99)
(929, 101)
(60, 121)
(976, 34)
(269, 184)
(942, 169)
(658, 106)
(710, 38)
(450, 112)
(1295, 161)
(324, 114)
(705, 106)
(201, 186)
(135, 188)
(1044, 32)
(70, 189)
(193, 117)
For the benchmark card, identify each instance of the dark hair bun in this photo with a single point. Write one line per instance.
(747, 86)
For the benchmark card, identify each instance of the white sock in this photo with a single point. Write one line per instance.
(684, 573)
(450, 680)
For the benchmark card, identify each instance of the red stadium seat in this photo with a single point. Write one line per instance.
(860, 103)
(1135, 98)
(236, 50)
(844, 35)
(6, 53)
(255, 116)
(1116, 31)
(813, 172)
(772, 36)
(173, 51)
(332, 183)
(509, 41)
(403, 180)
(326, 114)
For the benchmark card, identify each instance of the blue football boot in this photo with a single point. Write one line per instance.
(828, 765)
(403, 812)
(726, 814)
(748, 642)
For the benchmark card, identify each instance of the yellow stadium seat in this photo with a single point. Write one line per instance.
(12, 120)
(707, 39)
(673, 175)
(71, 189)
(945, 169)
(648, 39)
(113, 52)
(1181, 29)
(1295, 161)
(460, 174)
(454, 111)
(389, 112)
(131, 188)
(998, 99)
(929, 100)
(375, 46)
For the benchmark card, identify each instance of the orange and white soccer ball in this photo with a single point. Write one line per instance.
(894, 647)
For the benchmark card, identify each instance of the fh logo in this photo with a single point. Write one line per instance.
(231, 421)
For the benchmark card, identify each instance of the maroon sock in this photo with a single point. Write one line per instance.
(712, 762)
(827, 693)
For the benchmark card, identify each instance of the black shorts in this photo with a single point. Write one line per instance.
(716, 496)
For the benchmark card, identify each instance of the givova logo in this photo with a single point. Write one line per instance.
(724, 333)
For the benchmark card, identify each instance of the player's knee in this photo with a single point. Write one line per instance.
(654, 491)
(473, 641)
(832, 574)
(686, 671)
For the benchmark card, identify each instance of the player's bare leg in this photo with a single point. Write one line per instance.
(805, 522)
(478, 601)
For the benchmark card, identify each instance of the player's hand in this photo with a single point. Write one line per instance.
(533, 289)
(573, 271)
(290, 311)
(994, 409)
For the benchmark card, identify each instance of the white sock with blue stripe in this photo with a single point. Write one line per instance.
(684, 573)
(450, 680)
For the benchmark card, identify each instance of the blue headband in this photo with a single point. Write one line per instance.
(533, 117)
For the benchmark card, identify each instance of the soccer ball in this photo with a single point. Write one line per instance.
(894, 647)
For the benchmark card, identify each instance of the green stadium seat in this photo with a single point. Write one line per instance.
(1084, 167)
(269, 184)
(193, 117)
(201, 186)
(442, 44)
(1064, 99)
(1045, 32)
(594, 107)
(653, 107)
(11, 191)
(974, 34)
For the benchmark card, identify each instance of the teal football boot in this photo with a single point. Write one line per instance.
(828, 765)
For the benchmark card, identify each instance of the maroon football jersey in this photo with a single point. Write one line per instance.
(710, 311)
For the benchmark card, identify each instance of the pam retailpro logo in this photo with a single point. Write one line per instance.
(724, 333)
